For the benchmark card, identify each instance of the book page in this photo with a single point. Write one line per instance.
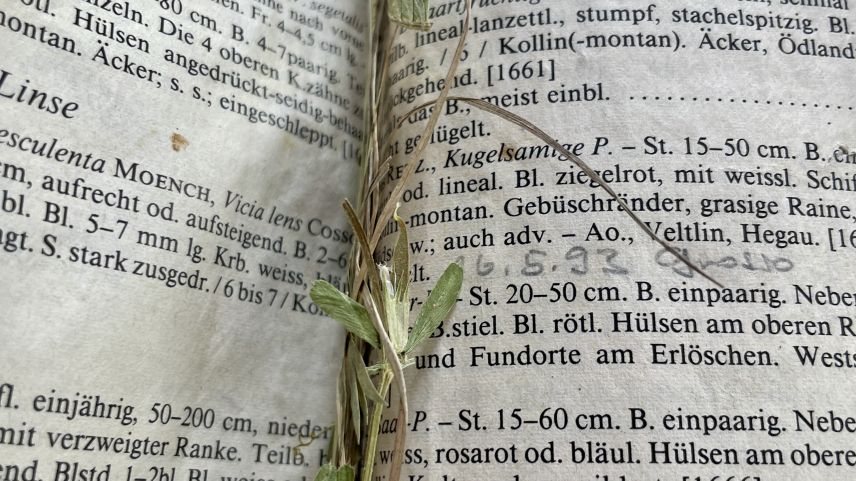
(581, 349)
(171, 174)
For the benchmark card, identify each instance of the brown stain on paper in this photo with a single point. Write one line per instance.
(178, 141)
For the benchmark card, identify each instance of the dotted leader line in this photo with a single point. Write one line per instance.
(733, 100)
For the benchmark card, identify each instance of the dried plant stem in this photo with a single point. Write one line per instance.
(374, 427)
(386, 214)
(350, 443)
(372, 307)
(549, 140)
(412, 163)
(401, 428)
(395, 370)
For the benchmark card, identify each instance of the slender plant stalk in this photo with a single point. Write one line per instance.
(375, 310)
(397, 373)
(389, 207)
(374, 427)
(548, 139)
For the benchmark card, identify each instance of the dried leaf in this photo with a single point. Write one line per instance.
(374, 278)
(437, 306)
(397, 312)
(377, 368)
(347, 311)
(389, 207)
(363, 377)
(534, 130)
(355, 402)
(326, 473)
(345, 473)
(410, 13)
(364, 405)
(329, 473)
(401, 260)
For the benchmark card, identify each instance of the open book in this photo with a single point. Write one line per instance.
(171, 175)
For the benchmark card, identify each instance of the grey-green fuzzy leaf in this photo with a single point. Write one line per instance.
(347, 311)
(397, 311)
(436, 308)
(363, 377)
(326, 473)
(346, 473)
(410, 13)
(401, 260)
(355, 401)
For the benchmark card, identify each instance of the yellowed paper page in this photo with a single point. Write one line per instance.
(580, 349)
(170, 179)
